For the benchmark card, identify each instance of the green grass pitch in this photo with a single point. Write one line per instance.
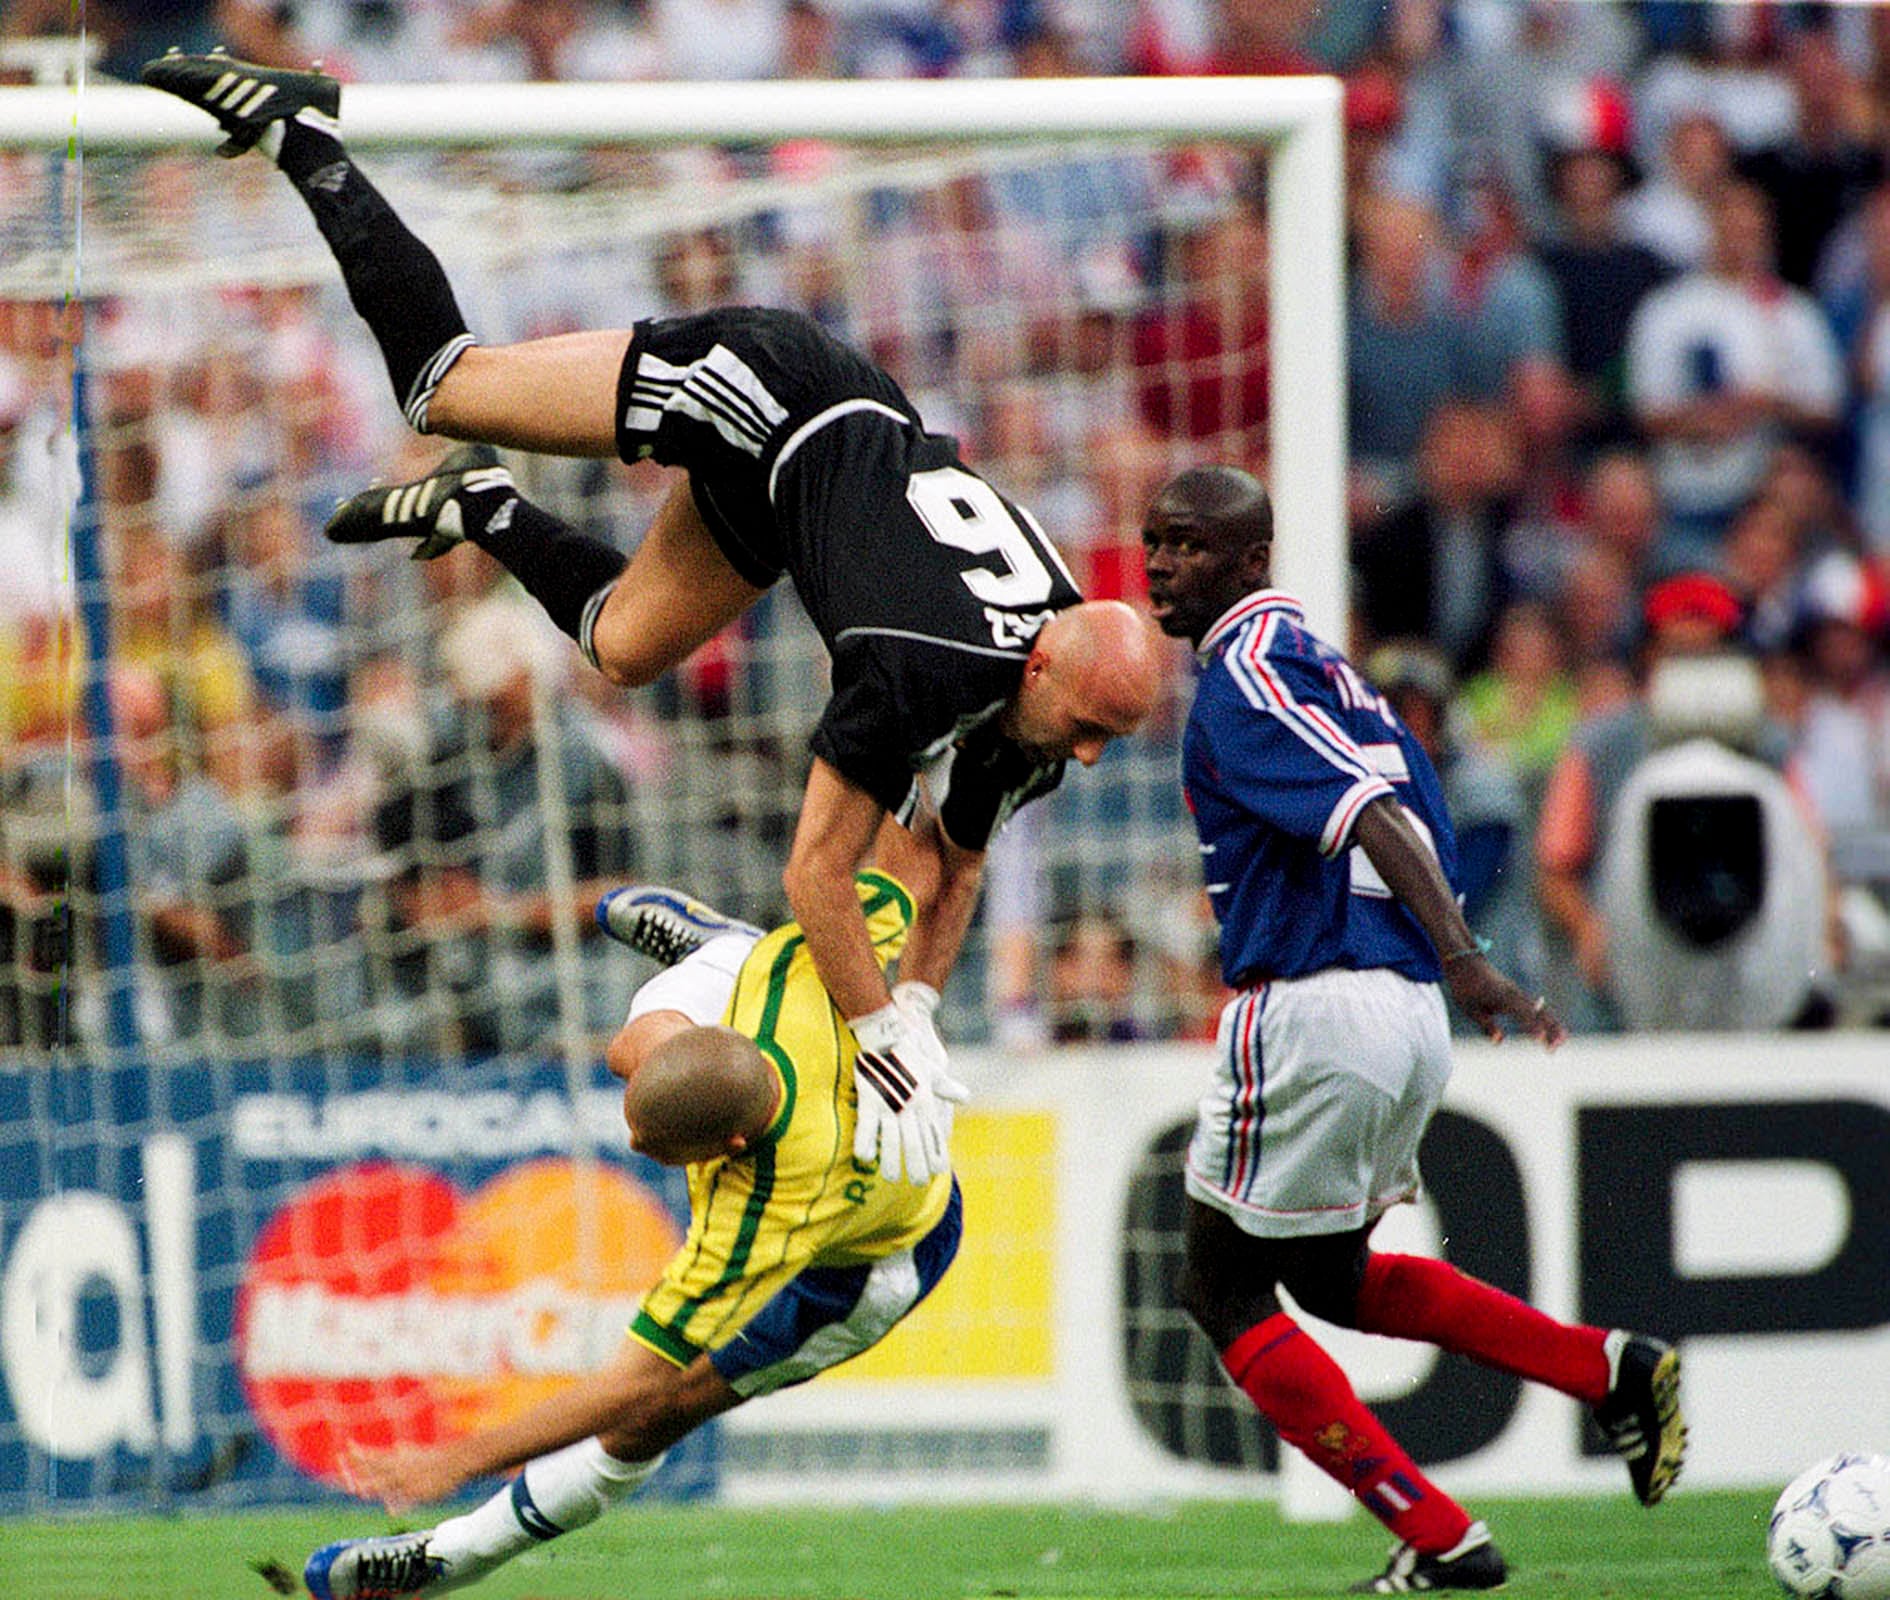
(1708, 1545)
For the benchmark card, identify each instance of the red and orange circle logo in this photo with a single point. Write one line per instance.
(382, 1305)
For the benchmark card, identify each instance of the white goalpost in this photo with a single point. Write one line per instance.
(373, 1176)
(1299, 119)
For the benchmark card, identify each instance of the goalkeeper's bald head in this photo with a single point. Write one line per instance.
(702, 1094)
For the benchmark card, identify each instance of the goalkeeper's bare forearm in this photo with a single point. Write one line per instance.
(839, 821)
(944, 880)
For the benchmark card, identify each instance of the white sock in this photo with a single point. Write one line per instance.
(552, 1496)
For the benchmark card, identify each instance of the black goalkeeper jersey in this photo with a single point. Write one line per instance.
(926, 584)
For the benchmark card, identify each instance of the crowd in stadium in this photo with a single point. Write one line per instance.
(1619, 377)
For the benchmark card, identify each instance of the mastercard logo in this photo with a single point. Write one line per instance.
(382, 1305)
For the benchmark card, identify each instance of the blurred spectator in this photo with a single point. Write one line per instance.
(1843, 751)
(1502, 78)
(697, 270)
(1172, 920)
(1690, 615)
(1405, 349)
(1803, 484)
(1723, 70)
(1201, 355)
(562, 41)
(1502, 293)
(1523, 707)
(1545, 407)
(319, 403)
(1599, 615)
(961, 292)
(189, 869)
(1092, 395)
(473, 911)
(164, 620)
(1266, 37)
(1671, 212)
(1600, 276)
(1868, 347)
(209, 433)
(1722, 364)
(1623, 506)
(39, 487)
(1262, 38)
(44, 824)
(810, 40)
(712, 40)
(284, 603)
(1014, 919)
(1433, 569)
(1763, 567)
(1486, 803)
(1826, 165)
(1092, 982)
(1375, 164)
(1019, 449)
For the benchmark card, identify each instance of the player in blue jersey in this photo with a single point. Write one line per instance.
(1328, 855)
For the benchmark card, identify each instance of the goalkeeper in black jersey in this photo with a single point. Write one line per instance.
(962, 650)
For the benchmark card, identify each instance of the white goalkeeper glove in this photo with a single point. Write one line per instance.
(920, 1002)
(903, 1087)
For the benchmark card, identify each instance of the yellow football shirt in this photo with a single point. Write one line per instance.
(798, 1198)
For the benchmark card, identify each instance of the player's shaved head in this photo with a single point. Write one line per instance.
(1107, 654)
(1093, 675)
(1226, 503)
(1207, 542)
(702, 1093)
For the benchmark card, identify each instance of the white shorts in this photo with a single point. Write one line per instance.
(1326, 1085)
(699, 985)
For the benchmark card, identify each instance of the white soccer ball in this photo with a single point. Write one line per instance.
(1829, 1537)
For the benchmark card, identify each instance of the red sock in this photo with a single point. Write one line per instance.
(1412, 1297)
(1302, 1392)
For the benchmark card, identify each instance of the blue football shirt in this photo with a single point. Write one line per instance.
(1285, 746)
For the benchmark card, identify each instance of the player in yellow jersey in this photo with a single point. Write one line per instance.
(798, 1256)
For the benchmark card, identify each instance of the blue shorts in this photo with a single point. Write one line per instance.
(830, 1314)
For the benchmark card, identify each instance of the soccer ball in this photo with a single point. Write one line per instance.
(1829, 1537)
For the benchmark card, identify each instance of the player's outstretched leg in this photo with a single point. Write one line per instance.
(376, 1569)
(1632, 1381)
(1641, 1412)
(664, 924)
(457, 500)
(470, 496)
(247, 100)
(394, 280)
(551, 1496)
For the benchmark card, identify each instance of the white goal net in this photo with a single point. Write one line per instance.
(299, 1006)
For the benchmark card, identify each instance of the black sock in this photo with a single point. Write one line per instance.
(395, 281)
(562, 569)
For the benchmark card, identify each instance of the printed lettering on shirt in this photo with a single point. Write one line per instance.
(1356, 694)
(1011, 630)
